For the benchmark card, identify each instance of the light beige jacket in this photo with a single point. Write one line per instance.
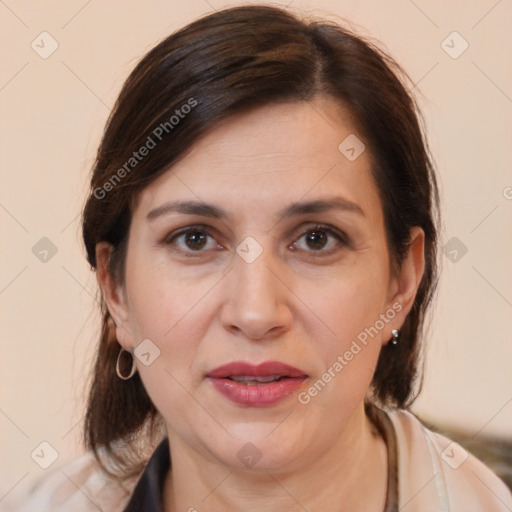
(434, 475)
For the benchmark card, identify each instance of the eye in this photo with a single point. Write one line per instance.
(193, 239)
(321, 239)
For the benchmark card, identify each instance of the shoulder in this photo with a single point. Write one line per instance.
(435, 473)
(79, 485)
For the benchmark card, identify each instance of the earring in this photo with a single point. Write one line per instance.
(122, 374)
(396, 334)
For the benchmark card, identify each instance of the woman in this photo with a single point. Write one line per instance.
(262, 220)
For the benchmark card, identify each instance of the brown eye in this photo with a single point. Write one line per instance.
(192, 239)
(316, 239)
(320, 239)
(195, 240)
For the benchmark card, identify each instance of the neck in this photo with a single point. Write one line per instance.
(351, 475)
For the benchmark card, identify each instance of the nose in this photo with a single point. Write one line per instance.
(257, 299)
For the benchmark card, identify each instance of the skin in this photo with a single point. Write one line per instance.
(298, 303)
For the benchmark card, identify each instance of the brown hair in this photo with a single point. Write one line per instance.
(225, 63)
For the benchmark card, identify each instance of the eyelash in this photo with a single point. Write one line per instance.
(341, 238)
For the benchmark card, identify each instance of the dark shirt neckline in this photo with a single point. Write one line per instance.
(148, 493)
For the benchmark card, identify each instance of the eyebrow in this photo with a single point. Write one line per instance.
(296, 209)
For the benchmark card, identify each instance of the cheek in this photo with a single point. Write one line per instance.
(350, 307)
(174, 310)
(350, 300)
(175, 321)
(162, 298)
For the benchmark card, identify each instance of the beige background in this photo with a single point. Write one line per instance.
(53, 112)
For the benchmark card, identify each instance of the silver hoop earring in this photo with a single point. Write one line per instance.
(396, 334)
(122, 366)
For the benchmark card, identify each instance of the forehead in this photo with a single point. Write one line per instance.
(270, 156)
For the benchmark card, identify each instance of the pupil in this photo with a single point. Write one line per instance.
(196, 240)
(317, 239)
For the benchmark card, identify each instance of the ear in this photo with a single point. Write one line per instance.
(405, 282)
(114, 295)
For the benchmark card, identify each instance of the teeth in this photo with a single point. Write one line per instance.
(254, 380)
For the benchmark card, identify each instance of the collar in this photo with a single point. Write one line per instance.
(147, 495)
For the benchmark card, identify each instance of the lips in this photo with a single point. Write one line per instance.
(256, 385)
(267, 369)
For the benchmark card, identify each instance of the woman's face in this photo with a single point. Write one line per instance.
(265, 243)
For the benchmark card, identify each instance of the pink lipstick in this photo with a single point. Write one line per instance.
(256, 385)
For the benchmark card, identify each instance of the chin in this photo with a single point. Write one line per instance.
(258, 447)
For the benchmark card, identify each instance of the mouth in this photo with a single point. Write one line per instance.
(256, 385)
(257, 380)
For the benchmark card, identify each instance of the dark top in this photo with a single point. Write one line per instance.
(147, 495)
